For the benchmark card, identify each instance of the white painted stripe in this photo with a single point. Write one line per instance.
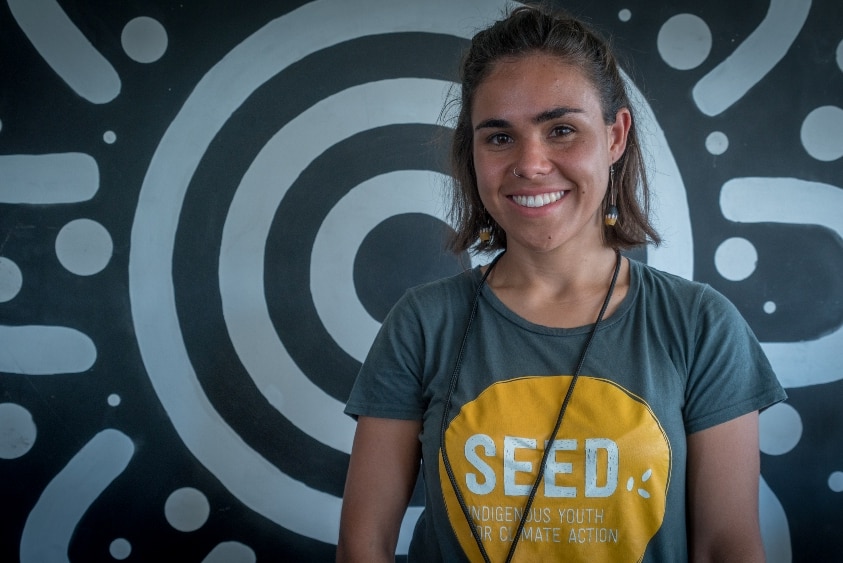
(45, 350)
(48, 178)
(243, 471)
(789, 200)
(774, 525)
(669, 203)
(66, 49)
(52, 521)
(250, 217)
(754, 58)
(339, 239)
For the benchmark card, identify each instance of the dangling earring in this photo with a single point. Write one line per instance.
(611, 216)
(485, 234)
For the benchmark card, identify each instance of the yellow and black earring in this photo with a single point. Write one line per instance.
(611, 216)
(485, 234)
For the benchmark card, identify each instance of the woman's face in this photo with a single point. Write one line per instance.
(542, 117)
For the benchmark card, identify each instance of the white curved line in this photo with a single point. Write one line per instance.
(49, 527)
(670, 211)
(775, 531)
(215, 98)
(338, 240)
(66, 50)
(231, 552)
(260, 193)
(242, 470)
(45, 350)
(48, 178)
(246, 230)
(754, 58)
(772, 200)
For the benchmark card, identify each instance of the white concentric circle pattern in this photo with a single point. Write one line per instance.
(217, 95)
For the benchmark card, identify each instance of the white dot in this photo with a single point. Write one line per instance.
(17, 431)
(840, 55)
(144, 40)
(11, 280)
(684, 41)
(624, 15)
(736, 259)
(717, 142)
(835, 481)
(229, 552)
(769, 307)
(780, 429)
(109, 137)
(84, 247)
(113, 399)
(822, 133)
(120, 549)
(187, 509)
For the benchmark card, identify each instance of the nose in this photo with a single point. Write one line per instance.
(532, 159)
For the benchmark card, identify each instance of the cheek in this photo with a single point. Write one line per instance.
(488, 166)
(486, 187)
(483, 173)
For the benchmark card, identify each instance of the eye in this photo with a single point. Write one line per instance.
(499, 139)
(561, 131)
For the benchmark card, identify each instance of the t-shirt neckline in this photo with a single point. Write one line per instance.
(489, 297)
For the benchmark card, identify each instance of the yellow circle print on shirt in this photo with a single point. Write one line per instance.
(603, 492)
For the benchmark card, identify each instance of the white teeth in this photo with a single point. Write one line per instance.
(537, 200)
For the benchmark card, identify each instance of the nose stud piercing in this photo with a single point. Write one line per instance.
(515, 172)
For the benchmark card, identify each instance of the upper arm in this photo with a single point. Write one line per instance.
(723, 474)
(382, 472)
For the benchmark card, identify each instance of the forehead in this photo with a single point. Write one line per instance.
(533, 83)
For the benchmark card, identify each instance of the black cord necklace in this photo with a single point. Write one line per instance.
(453, 385)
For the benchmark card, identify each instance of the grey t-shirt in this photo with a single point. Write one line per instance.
(675, 358)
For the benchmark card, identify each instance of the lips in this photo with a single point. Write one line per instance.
(539, 200)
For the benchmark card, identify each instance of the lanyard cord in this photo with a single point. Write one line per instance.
(453, 384)
(451, 387)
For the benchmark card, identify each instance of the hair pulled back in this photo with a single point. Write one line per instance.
(528, 30)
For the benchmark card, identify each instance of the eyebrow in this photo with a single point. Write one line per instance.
(543, 117)
(555, 113)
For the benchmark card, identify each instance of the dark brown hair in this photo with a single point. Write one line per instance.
(528, 30)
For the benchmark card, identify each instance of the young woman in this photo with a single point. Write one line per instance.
(565, 402)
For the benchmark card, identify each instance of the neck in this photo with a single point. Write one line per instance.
(559, 293)
(559, 274)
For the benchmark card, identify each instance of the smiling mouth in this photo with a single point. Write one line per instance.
(537, 200)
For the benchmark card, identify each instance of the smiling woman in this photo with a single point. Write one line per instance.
(542, 152)
(563, 378)
(590, 71)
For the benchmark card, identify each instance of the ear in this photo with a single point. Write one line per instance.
(618, 132)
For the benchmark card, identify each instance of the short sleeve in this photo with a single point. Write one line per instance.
(729, 373)
(389, 382)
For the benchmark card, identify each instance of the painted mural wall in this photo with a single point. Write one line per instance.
(207, 207)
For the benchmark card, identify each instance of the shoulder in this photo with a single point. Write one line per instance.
(694, 300)
(707, 320)
(443, 291)
(657, 283)
(431, 304)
